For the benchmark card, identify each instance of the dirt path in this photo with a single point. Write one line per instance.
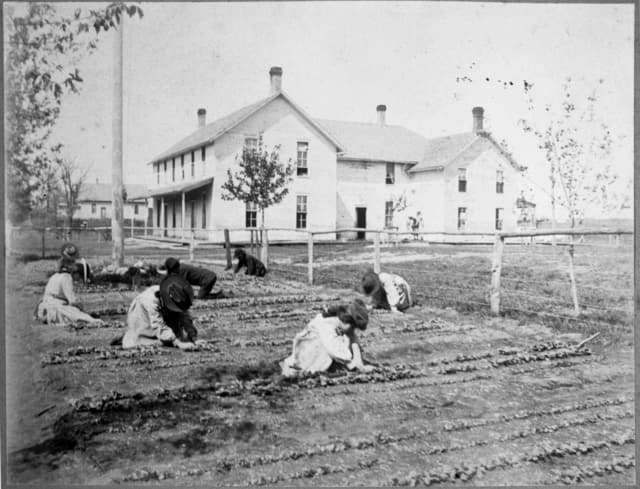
(455, 398)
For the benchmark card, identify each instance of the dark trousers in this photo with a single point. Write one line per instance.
(206, 287)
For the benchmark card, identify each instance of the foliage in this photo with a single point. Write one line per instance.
(261, 179)
(44, 48)
(576, 145)
(72, 178)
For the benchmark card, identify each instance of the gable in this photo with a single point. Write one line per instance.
(211, 132)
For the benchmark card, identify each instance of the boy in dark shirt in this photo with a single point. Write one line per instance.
(251, 263)
(203, 278)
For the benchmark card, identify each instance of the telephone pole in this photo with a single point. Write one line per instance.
(117, 218)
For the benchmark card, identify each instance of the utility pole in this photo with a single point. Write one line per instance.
(117, 219)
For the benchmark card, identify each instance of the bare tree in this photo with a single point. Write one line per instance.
(73, 178)
(577, 145)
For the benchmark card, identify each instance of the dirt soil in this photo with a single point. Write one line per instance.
(454, 398)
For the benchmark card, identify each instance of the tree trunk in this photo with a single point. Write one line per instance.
(117, 222)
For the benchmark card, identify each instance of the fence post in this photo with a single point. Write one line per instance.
(572, 276)
(310, 258)
(227, 247)
(376, 252)
(265, 248)
(496, 270)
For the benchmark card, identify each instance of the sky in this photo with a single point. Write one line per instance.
(428, 62)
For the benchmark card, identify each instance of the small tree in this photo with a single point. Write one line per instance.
(261, 179)
(72, 178)
(576, 146)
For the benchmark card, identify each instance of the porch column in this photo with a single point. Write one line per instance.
(211, 226)
(161, 216)
(184, 214)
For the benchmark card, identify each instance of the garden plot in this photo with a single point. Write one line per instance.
(453, 398)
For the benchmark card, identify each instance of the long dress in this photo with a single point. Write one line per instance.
(145, 324)
(317, 346)
(58, 303)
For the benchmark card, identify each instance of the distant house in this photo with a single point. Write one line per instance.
(95, 204)
(347, 174)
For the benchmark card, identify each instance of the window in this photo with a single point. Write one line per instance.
(173, 170)
(462, 218)
(251, 144)
(388, 214)
(193, 166)
(193, 214)
(203, 152)
(251, 215)
(103, 212)
(136, 209)
(165, 172)
(499, 181)
(391, 174)
(499, 212)
(93, 207)
(301, 164)
(462, 180)
(301, 212)
(182, 167)
(204, 211)
(193, 156)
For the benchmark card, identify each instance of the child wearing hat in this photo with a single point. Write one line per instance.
(387, 291)
(329, 339)
(59, 305)
(159, 316)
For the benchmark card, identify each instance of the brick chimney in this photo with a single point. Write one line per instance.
(382, 114)
(478, 117)
(275, 74)
(202, 117)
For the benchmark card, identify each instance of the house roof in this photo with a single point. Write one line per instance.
(101, 192)
(376, 142)
(447, 150)
(212, 131)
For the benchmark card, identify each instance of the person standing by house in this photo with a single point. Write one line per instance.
(417, 225)
(251, 263)
(329, 340)
(159, 316)
(59, 305)
(387, 291)
(203, 278)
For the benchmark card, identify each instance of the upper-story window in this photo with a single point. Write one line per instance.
(136, 209)
(301, 212)
(193, 165)
(203, 152)
(499, 181)
(388, 214)
(390, 177)
(302, 170)
(173, 169)
(499, 213)
(462, 218)
(251, 215)
(93, 208)
(251, 144)
(157, 169)
(182, 167)
(103, 212)
(462, 179)
(165, 172)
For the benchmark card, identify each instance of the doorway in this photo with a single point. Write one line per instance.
(361, 221)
